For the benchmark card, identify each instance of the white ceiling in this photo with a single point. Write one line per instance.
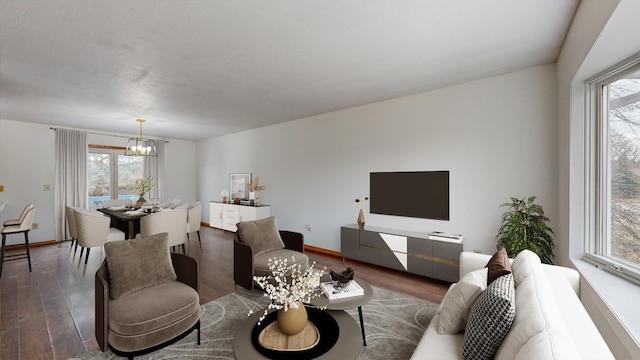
(199, 69)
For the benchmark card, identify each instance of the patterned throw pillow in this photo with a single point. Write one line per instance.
(490, 319)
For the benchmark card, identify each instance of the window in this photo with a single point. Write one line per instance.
(615, 243)
(110, 174)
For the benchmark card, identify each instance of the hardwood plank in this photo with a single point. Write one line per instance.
(60, 322)
(9, 345)
(34, 340)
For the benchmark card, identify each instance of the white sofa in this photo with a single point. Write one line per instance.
(550, 321)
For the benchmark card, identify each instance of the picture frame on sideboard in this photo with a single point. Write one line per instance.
(239, 186)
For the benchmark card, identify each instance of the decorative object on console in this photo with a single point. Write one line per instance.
(439, 235)
(141, 187)
(254, 188)
(524, 227)
(336, 290)
(358, 202)
(140, 146)
(224, 194)
(289, 287)
(343, 277)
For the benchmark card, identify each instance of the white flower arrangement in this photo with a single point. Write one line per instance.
(141, 186)
(289, 285)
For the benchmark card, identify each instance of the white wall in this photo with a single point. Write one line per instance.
(24, 172)
(496, 136)
(26, 164)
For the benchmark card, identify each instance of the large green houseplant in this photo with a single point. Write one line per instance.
(524, 227)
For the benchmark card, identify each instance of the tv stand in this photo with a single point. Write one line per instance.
(408, 251)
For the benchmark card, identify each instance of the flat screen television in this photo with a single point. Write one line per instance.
(418, 194)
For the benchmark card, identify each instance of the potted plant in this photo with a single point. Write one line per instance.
(524, 227)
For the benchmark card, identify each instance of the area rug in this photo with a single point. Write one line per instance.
(394, 324)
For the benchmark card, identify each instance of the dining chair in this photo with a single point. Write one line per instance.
(11, 222)
(71, 226)
(194, 217)
(23, 227)
(171, 204)
(93, 230)
(173, 222)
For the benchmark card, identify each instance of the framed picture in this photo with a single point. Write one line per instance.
(239, 186)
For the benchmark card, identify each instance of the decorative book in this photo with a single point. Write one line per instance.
(439, 235)
(335, 290)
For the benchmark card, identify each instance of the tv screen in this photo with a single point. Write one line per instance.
(418, 194)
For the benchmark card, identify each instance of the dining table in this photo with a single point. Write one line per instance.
(125, 219)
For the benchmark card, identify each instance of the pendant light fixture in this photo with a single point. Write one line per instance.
(140, 146)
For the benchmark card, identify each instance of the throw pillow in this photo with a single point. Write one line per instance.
(137, 264)
(498, 265)
(262, 235)
(490, 319)
(458, 301)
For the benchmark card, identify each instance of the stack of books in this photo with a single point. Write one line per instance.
(334, 290)
(439, 235)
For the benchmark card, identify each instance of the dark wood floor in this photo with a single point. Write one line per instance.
(49, 313)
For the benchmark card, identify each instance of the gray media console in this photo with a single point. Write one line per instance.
(402, 250)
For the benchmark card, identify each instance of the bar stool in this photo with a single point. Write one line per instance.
(22, 227)
(17, 221)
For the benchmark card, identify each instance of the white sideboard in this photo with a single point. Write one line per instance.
(226, 216)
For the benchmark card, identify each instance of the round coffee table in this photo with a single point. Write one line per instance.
(347, 346)
(346, 303)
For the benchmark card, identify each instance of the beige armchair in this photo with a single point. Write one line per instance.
(24, 226)
(146, 297)
(172, 222)
(258, 241)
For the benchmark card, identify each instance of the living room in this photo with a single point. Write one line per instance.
(512, 134)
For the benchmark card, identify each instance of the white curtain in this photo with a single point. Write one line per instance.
(154, 166)
(70, 177)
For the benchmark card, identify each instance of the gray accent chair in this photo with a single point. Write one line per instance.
(253, 248)
(145, 297)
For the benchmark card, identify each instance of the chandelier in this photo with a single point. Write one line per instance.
(140, 146)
